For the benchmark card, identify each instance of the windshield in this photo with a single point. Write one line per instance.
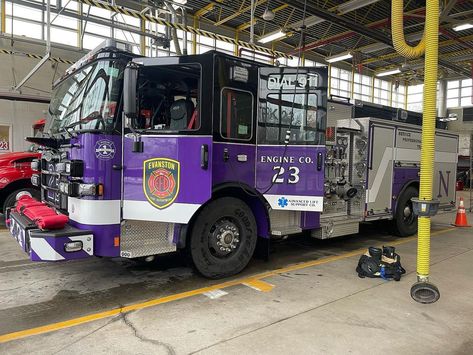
(88, 99)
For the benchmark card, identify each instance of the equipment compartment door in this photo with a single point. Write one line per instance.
(169, 180)
(292, 110)
(380, 169)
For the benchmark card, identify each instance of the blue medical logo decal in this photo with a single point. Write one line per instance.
(282, 202)
(104, 149)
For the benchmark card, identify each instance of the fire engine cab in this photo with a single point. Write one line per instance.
(213, 154)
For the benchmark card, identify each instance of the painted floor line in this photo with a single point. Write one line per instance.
(179, 296)
(259, 285)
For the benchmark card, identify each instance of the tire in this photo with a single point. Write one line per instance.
(223, 238)
(405, 222)
(11, 198)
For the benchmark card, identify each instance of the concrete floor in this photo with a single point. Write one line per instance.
(318, 306)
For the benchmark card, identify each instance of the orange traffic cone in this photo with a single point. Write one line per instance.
(460, 220)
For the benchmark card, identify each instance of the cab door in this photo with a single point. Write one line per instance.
(167, 177)
(292, 110)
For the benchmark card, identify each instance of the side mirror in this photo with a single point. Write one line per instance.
(129, 91)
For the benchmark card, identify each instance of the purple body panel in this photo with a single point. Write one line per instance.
(402, 176)
(310, 220)
(98, 170)
(261, 217)
(233, 170)
(103, 238)
(57, 243)
(304, 158)
(195, 183)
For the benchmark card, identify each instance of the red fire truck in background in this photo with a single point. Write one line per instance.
(15, 172)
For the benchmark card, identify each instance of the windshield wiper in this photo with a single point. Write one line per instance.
(91, 117)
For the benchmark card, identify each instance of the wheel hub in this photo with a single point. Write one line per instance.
(407, 211)
(225, 237)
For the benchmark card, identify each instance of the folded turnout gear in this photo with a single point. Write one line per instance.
(384, 263)
(40, 214)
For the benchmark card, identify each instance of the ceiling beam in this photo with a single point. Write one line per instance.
(238, 13)
(245, 25)
(388, 56)
(207, 8)
(312, 10)
(360, 29)
(446, 10)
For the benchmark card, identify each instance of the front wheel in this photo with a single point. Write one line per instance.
(10, 200)
(405, 221)
(223, 238)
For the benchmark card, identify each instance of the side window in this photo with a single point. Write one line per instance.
(295, 112)
(236, 114)
(168, 98)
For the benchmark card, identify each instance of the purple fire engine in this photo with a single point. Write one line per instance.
(214, 154)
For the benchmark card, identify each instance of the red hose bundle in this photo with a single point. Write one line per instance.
(41, 214)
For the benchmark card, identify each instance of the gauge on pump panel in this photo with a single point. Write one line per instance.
(360, 144)
(360, 168)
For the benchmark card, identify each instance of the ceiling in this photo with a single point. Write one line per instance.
(365, 31)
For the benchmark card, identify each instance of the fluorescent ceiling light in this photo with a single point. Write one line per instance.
(373, 48)
(354, 5)
(339, 57)
(412, 66)
(389, 72)
(462, 27)
(308, 22)
(272, 36)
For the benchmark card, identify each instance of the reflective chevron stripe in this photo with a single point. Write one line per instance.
(35, 56)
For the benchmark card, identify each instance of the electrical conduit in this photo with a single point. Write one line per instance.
(423, 291)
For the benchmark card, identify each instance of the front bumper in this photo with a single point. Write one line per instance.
(50, 245)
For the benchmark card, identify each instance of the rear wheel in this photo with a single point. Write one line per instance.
(223, 238)
(405, 221)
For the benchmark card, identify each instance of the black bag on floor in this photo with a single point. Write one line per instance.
(384, 263)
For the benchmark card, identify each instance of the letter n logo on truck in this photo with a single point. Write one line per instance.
(443, 183)
(161, 177)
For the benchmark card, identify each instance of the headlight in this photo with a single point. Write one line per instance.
(74, 168)
(60, 167)
(77, 189)
(64, 187)
(87, 190)
(35, 164)
(71, 247)
(35, 180)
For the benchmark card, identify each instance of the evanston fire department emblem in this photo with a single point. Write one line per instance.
(161, 181)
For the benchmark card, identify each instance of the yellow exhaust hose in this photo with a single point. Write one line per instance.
(428, 131)
(423, 291)
(397, 32)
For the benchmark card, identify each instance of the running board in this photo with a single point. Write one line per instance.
(332, 229)
(288, 230)
(144, 238)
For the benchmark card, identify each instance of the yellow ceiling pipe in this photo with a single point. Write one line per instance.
(397, 32)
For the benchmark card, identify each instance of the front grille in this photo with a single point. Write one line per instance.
(50, 179)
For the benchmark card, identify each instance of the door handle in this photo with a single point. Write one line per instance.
(242, 157)
(320, 160)
(204, 156)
